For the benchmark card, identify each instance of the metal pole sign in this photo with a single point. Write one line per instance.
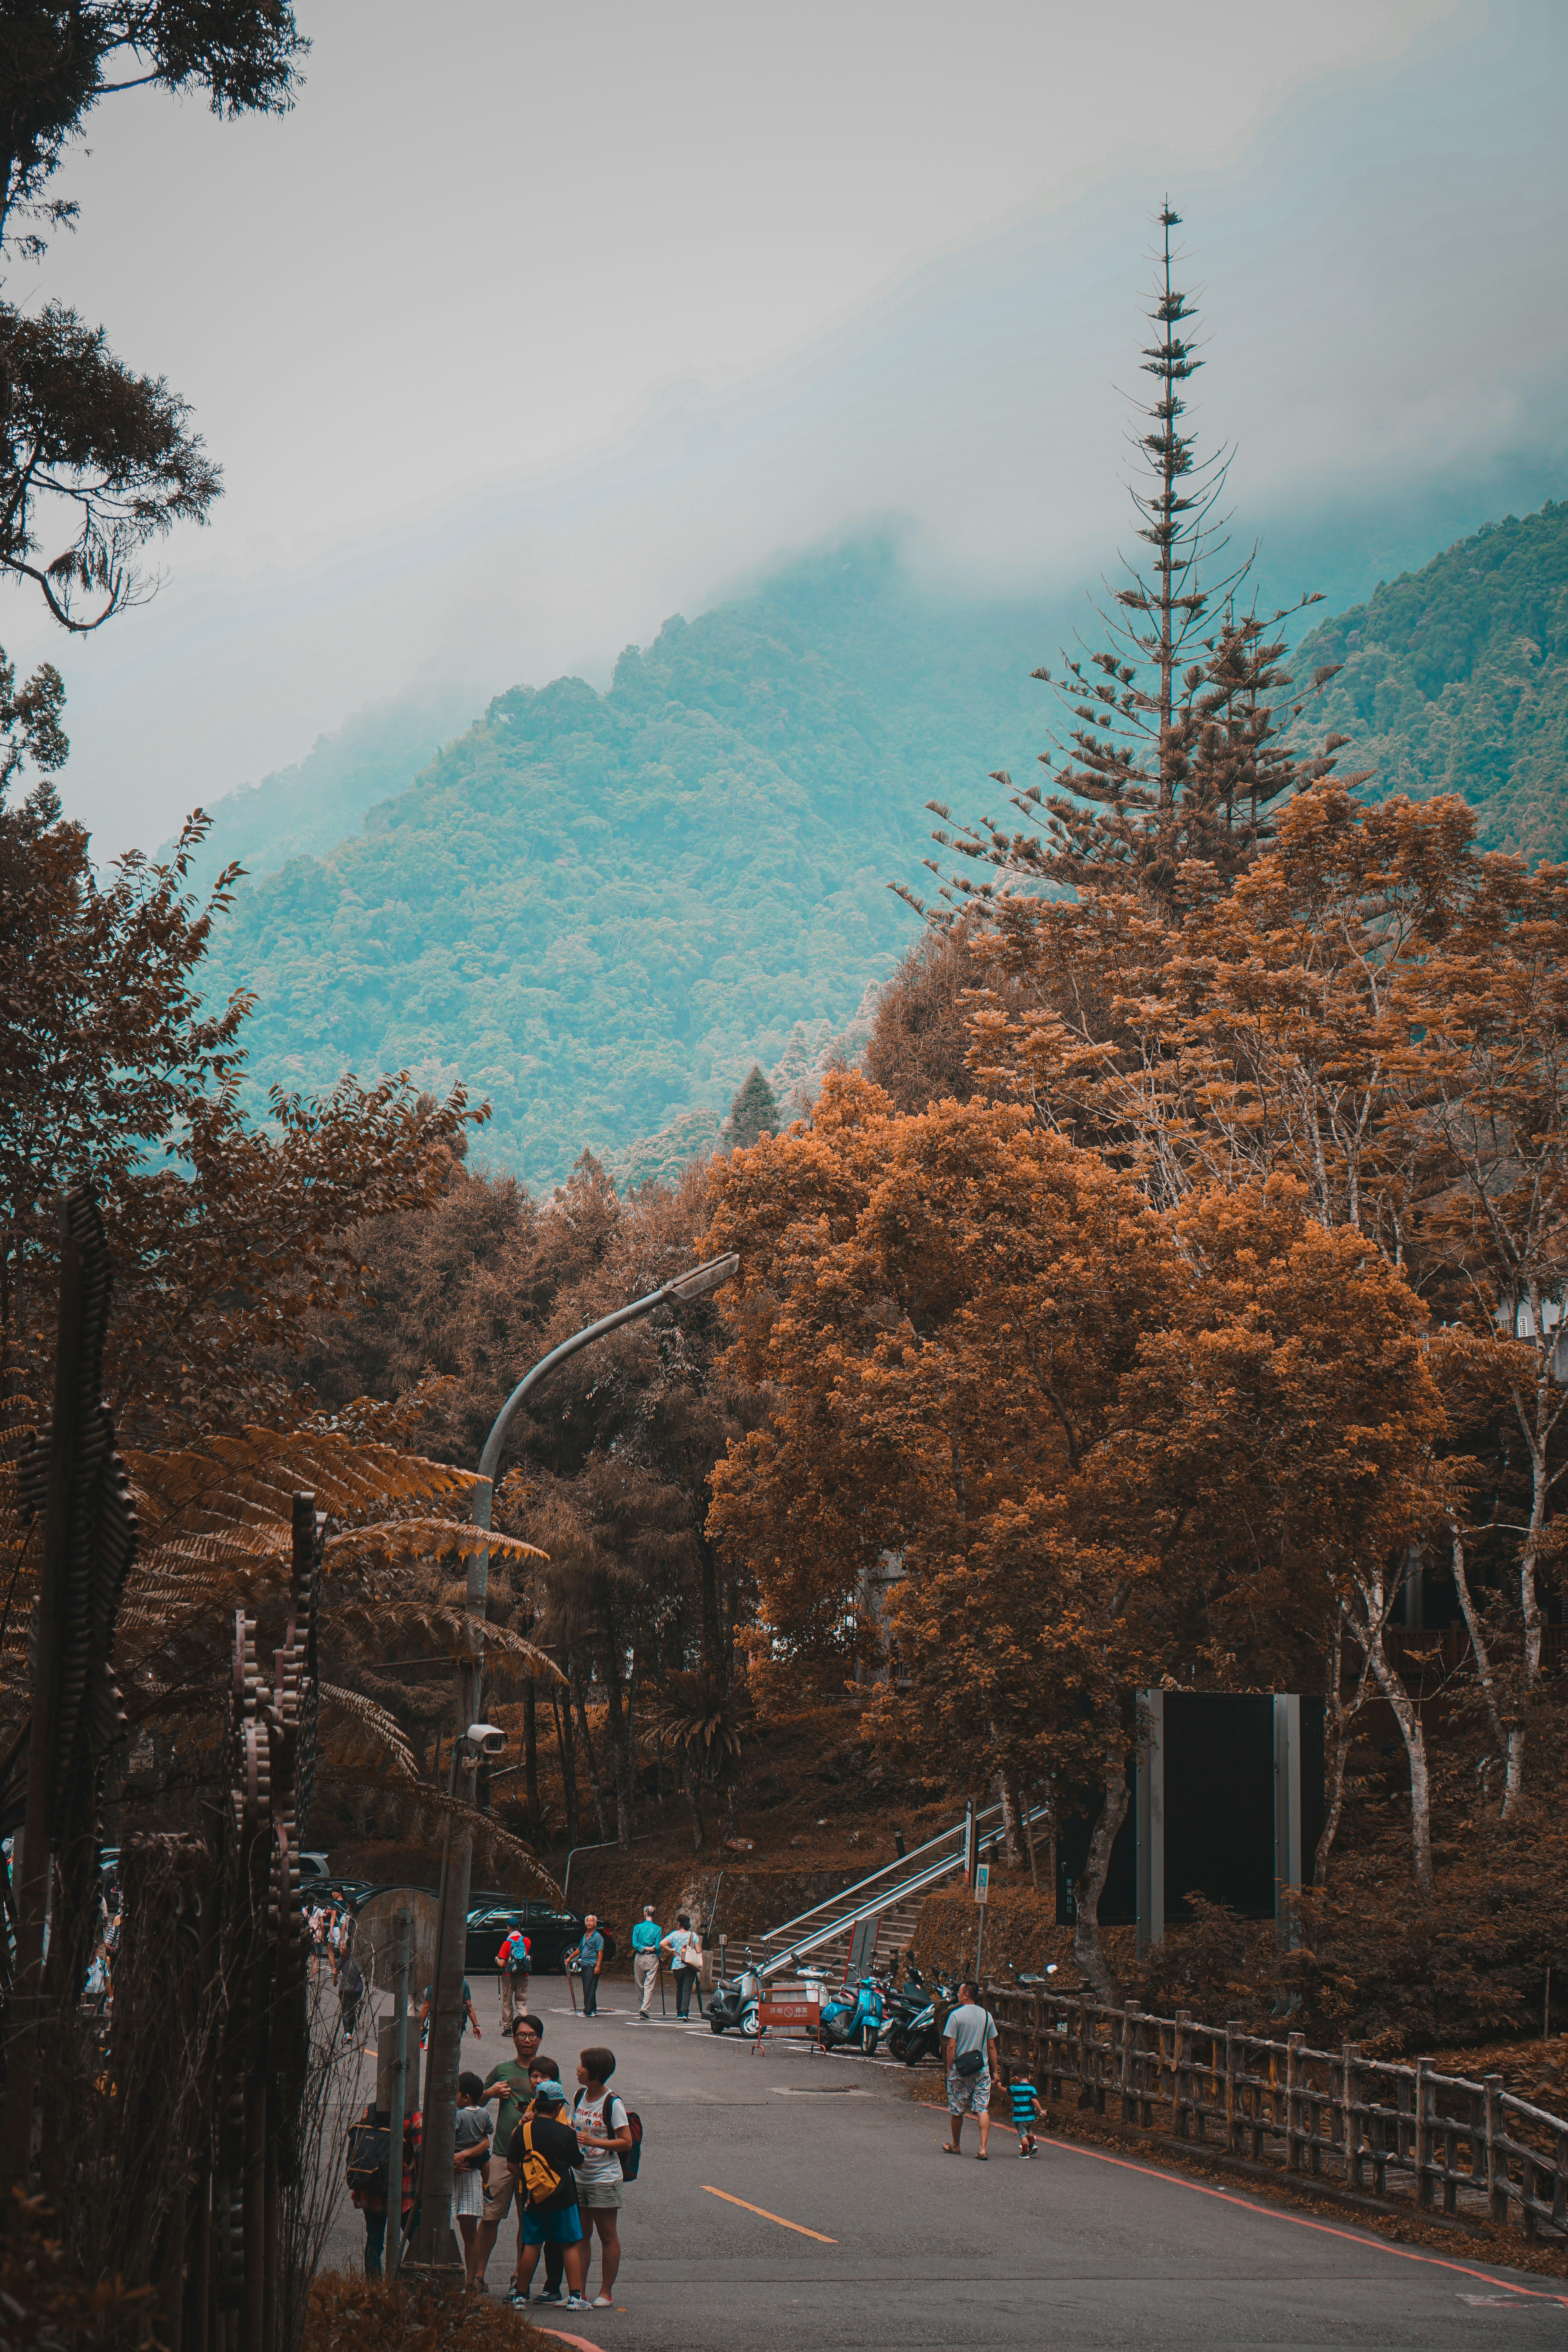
(969, 1842)
(982, 1881)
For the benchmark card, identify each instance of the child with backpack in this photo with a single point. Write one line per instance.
(603, 2130)
(544, 2149)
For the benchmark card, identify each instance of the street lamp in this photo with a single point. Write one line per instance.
(451, 1932)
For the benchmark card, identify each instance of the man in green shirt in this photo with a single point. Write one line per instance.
(508, 2083)
(644, 1958)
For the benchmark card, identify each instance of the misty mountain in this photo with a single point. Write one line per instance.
(1455, 679)
(600, 909)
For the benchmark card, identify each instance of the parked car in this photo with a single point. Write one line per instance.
(352, 1890)
(552, 1933)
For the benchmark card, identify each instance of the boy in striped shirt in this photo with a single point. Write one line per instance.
(1023, 2101)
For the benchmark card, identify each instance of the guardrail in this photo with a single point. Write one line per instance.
(907, 1880)
(1401, 2134)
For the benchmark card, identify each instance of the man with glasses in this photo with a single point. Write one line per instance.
(507, 2083)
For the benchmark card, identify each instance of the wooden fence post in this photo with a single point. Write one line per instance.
(1294, 2045)
(1181, 2071)
(1423, 2106)
(1130, 2062)
(1234, 2029)
(1351, 2125)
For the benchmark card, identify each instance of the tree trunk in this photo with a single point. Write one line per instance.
(530, 1752)
(619, 1718)
(1405, 1714)
(1086, 1943)
(576, 1699)
(691, 1790)
(1342, 1724)
(566, 1750)
(1012, 1852)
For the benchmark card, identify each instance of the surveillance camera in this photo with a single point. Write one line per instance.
(487, 1737)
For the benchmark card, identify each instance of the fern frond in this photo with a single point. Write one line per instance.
(249, 1480)
(385, 1726)
(446, 1628)
(425, 1538)
(413, 1799)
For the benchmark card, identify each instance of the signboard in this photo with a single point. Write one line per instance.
(981, 1879)
(790, 2016)
(968, 1842)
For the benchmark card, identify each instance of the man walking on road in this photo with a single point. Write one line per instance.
(591, 1957)
(969, 2047)
(645, 1958)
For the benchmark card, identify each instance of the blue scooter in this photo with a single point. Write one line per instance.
(856, 2023)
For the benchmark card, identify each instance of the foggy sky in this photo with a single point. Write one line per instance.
(527, 327)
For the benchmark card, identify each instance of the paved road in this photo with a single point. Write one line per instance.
(916, 2249)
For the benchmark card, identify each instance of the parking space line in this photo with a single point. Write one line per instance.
(798, 2226)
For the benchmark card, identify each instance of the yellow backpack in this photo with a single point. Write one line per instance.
(540, 2177)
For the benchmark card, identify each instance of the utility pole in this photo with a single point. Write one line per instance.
(438, 2144)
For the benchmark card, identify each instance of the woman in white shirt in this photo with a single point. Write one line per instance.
(685, 1948)
(604, 2134)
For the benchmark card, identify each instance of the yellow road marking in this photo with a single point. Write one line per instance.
(798, 2226)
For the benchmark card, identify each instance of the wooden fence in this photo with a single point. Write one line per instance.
(1403, 2134)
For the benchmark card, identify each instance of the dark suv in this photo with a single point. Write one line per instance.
(550, 1934)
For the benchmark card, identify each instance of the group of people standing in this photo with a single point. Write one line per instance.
(683, 1945)
(561, 2158)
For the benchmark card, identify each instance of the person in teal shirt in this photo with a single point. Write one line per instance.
(644, 1958)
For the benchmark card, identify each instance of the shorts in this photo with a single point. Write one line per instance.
(468, 2192)
(563, 2229)
(968, 2095)
(600, 2193)
(501, 2186)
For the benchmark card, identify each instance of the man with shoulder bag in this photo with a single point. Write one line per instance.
(969, 2047)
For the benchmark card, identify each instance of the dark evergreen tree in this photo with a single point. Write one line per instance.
(1174, 747)
(87, 444)
(755, 1112)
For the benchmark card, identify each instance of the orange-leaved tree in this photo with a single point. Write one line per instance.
(1277, 1448)
(942, 1308)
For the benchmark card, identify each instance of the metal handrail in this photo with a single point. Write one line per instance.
(900, 1863)
(929, 1876)
(888, 1901)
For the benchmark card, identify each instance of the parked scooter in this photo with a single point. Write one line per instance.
(856, 2023)
(735, 2002)
(903, 2007)
(923, 2039)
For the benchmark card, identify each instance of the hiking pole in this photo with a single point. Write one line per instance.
(660, 1972)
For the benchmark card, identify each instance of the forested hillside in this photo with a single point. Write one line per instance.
(1455, 679)
(601, 909)
(306, 810)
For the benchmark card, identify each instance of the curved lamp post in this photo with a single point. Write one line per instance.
(440, 2106)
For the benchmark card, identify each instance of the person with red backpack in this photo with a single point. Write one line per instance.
(514, 1961)
(606, 2134)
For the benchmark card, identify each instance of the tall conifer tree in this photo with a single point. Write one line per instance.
(1174, 747)
(753, 1113)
